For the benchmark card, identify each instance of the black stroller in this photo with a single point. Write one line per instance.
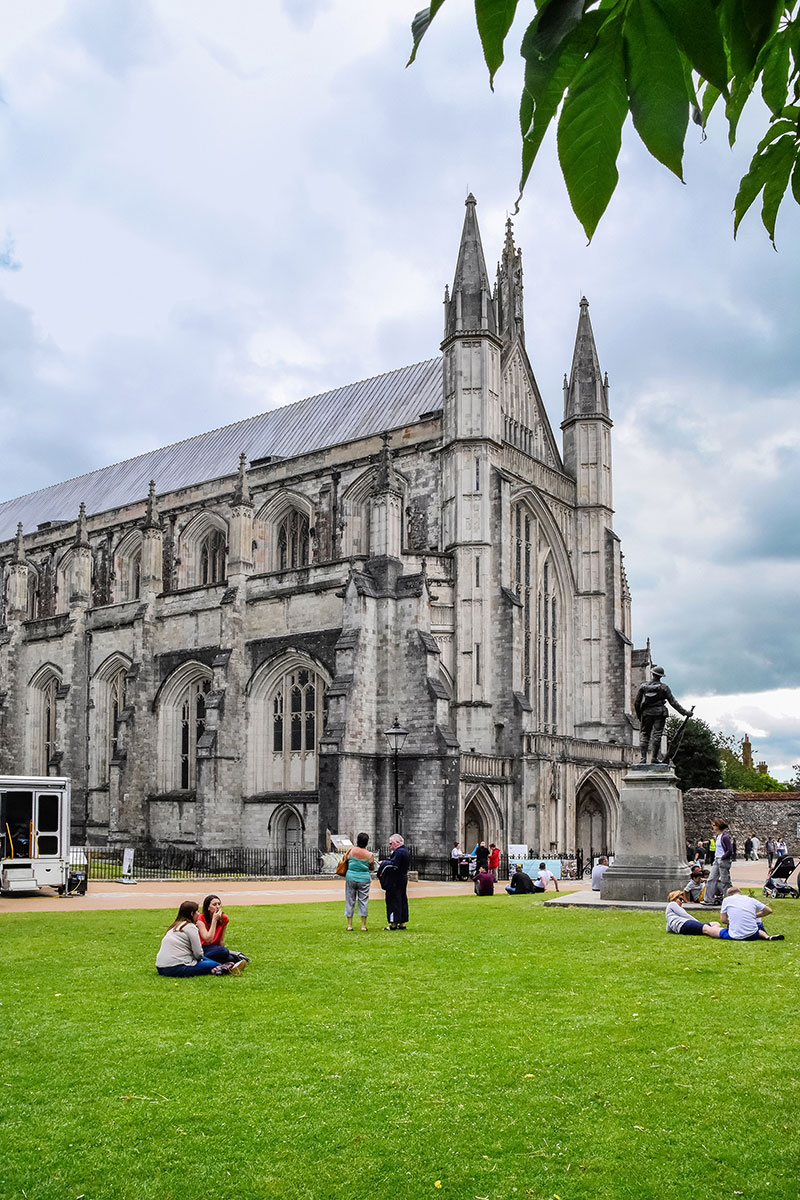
(777, 886)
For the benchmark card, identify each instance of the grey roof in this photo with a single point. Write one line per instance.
(357, 410)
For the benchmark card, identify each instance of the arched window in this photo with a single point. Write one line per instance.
(212, 557)
(32, 608)
(42, 725)
(181, 723)
(286, 716)
(293, 541)
(128, 567)
(536, 587)
(109, 687)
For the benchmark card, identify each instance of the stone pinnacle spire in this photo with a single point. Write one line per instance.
(151, 517)
(509, 290)
(19, 548)
(81, 533)
(241, 493)
(586, 391)
(471, 308)
(385, 476)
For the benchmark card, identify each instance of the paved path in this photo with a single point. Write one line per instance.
(106, 895)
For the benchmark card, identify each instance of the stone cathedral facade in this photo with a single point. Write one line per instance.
(214, 657)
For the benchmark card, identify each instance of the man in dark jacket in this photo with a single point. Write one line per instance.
(393, 874)
(520, 884)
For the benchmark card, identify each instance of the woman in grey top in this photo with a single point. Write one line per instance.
(181, 951)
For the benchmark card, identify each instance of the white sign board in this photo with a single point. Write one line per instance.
(127, 861)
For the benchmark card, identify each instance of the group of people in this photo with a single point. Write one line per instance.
(740, 918)
(392, 875)
(523, 884)
(194, 943)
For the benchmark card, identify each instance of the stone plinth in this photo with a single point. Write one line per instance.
(650, 857)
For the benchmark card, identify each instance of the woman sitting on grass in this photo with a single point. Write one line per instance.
(181, 952)
(211, 925)
(679, 921)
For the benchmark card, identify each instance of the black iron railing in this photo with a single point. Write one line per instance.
(184, 862)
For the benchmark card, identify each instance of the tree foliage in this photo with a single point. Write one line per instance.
(696, 760)
(737, 775)
(589, 63)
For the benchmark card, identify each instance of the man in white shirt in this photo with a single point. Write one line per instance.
(545, 877)
(598, 871)
(756, 847)
(456, 855)
(742, 916)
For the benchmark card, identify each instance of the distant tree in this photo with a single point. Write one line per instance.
(589, 63)
(794, 782)
(737, 776)
(696, 761)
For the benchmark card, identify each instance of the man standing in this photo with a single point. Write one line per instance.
(455, 859)
(481, 856)
(598, 871)
(393, 874)
(719, 879)
(651, 709)
(769, 846)
(756, 847)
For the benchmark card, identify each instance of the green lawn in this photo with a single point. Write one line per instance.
(498, 1049)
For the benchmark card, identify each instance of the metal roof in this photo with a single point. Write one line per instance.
(357, 410)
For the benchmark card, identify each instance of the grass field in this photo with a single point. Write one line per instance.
(497, 1049)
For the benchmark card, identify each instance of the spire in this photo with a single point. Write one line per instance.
(241, 493)
(81, 534)
(509, 290)
(151, 518)
(385, 476)
(586, 392)
(19, 549)
(471, 308)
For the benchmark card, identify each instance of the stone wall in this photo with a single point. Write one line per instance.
(767, 814)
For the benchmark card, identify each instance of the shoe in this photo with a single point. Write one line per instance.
(237, 957)
(216, 971)
(777, 937)
(237, 968)
(402, 927)
(390, 929)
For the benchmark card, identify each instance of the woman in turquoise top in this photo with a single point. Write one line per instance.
(360, 861)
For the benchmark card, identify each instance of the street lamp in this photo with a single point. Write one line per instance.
(395, 737)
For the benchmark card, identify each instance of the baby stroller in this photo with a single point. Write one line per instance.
(777, 886)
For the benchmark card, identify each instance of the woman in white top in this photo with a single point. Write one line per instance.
(181, 951)
(679, 921)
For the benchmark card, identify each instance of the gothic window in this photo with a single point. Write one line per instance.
(42, 725)
(293, 541)
(181, 723)
(212, 557)
(548, 634)
(536, 587)
(109, 698)
(286, 716)
(32, 607)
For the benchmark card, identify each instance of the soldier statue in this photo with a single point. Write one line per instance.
(651, 709)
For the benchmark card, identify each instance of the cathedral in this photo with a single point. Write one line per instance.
(213, 639)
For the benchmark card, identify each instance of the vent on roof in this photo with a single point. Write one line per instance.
(268, 458)
(428, 416)
(53, 525)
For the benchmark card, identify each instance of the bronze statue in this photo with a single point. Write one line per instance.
(650, 707)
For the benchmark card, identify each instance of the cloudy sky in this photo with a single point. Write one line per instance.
(210, 209)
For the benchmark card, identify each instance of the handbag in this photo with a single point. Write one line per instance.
(341, 866)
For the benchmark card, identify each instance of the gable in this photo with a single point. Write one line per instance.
(525, 422)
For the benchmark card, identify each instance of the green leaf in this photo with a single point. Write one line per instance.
(796, 181)
(784, 158)
(420, 26)
(775, 73)
(710, 97)
(740, 92)
(495, 18)
(768, 172)
(546, 81)
(747, 25)
(590, 127)
(554, 21)
(659, 101)
(695, 27)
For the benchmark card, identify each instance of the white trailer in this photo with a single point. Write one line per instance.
(34, 833)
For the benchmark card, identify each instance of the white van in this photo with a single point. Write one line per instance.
(34, 833)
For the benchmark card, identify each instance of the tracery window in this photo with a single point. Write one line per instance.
(32, 607)
(536, 587)
(212, 557)
(548, 631)
(293, 541)
(42, 727)
(523, 587)
(181, 724)
(286, 715)
(109, 687)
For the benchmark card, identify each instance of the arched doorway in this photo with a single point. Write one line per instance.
(593, 818)
(473, 826)
(483, 820)
(287, 835)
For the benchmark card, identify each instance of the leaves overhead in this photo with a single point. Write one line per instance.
(589, 63)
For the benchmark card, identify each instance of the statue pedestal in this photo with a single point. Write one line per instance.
(650, 856)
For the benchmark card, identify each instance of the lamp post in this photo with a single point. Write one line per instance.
(395, 737)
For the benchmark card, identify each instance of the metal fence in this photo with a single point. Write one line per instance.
(182, 862)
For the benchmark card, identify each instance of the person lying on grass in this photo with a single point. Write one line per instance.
(181, 952)
(742, 915)
(679, 921)
(211, 925)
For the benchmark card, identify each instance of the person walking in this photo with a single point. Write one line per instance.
(719, 879)
(769, 846)
(360, 862)
(748, 849)
(756, 846)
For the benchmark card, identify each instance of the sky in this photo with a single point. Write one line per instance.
(212, 209)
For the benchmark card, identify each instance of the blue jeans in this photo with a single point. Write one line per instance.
(220, 954)
(751, 937)
(203, 966)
